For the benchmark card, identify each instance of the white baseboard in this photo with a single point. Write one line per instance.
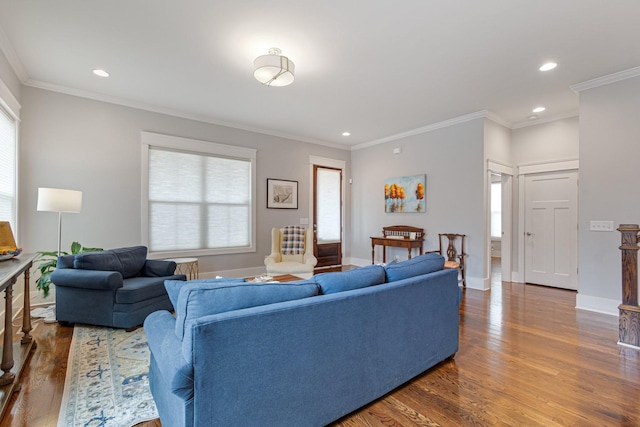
(597, 304)
(479, 283)
(359, 262)
(516, 278)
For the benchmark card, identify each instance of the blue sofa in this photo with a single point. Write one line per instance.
(116, 287)
(302, 353)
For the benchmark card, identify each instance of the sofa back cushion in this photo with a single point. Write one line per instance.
(199, 298)
(173, 286)
(362, 277)
(126, 261)
(423, 264)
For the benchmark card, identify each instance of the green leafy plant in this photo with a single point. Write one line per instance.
(47, 263)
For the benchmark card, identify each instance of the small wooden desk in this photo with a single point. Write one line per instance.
(398, 236)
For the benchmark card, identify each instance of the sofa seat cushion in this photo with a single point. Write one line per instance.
(139, 289)
(126, 261)
(351, 279)
(423, 264)
(173, 286)
(199, 298)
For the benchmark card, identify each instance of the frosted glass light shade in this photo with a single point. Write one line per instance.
(274, 69)
(59, 200)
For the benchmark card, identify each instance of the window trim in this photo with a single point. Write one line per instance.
(11, 107)
(151, 139)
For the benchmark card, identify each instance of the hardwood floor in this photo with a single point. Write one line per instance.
(527, 357)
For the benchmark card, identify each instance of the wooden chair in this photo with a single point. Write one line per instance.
(454, 253)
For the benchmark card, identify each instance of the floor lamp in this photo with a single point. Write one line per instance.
(58, 200)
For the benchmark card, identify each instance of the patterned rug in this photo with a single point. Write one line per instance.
(107, 382)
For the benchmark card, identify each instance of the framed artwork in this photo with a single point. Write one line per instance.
(282, 194)
(406, 194)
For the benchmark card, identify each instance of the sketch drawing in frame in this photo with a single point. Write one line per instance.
(282, 194)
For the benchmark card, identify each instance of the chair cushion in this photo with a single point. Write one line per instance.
(136, 289)
(199, 298)
(289, 268)
(352, 279)
(126, 261)
(423, 264)
(173, 286)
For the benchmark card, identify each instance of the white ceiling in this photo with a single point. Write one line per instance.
(374, 68)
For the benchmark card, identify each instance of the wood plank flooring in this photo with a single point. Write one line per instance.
(527, 358)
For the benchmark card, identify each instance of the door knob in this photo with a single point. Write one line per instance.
(529, 234)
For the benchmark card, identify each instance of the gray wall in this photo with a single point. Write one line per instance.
(452, 158)
(609, 178)
(93, 146)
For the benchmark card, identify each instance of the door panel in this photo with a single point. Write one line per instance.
(327, 215)
(551, 229)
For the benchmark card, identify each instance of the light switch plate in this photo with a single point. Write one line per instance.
(601, 225)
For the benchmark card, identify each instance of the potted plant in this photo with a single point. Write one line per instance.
(48, 262)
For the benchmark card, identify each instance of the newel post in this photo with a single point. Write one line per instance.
(629, 321)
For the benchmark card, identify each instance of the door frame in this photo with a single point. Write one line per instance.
(330, 163)
(526, 169)
(506, 173)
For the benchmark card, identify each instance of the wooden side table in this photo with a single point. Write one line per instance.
(187, 266)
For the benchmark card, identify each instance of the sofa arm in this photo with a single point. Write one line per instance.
(159, 327)
(310, 259)
(158, 268)
(86, 279)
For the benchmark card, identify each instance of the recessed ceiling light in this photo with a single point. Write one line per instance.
(539, 109)
(346, 133)
(101, 73)
(532, 117)
(548, 66)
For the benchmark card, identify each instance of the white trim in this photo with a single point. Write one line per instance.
(597, 304)
(429, 128)
(175, 113)
(503, 168)
(12, 57)
(149, 139)
(478, 283)
(9, 102)
(605, 80)
(552, 166)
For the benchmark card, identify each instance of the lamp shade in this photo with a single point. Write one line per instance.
(59, 200)
(274, 69)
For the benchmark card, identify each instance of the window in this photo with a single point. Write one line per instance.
(8, 169)
(199, 196)
(496, 210)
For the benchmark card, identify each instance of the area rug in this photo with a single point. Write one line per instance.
(107, 382)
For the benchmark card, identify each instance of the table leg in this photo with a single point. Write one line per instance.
(26, 311)
(384, 254)
(373, 253)
(7, 342)
(409, 252)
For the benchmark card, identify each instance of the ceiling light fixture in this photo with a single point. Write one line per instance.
(548, 66)
(346, 133)
(274, 69)
(539, 109)
(100, 73)
(532, 117)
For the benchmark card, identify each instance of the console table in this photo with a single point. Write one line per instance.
(398, 236)
(14, 357)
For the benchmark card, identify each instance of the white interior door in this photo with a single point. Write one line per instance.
(551, 229)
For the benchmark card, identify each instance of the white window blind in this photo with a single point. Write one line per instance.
(8, 169)
(199, 202)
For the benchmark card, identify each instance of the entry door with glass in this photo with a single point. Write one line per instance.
(327, 215)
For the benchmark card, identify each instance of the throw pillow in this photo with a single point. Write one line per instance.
(423, 264)
(197, 299)
(352, 279)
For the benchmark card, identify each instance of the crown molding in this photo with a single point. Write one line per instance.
(9, 101)
(484, 114)
(14, 60)
(174, 113)
(605, 80)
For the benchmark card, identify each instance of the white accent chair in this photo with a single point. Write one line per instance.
(300, 265)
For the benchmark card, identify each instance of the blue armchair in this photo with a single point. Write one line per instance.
(117, 287)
